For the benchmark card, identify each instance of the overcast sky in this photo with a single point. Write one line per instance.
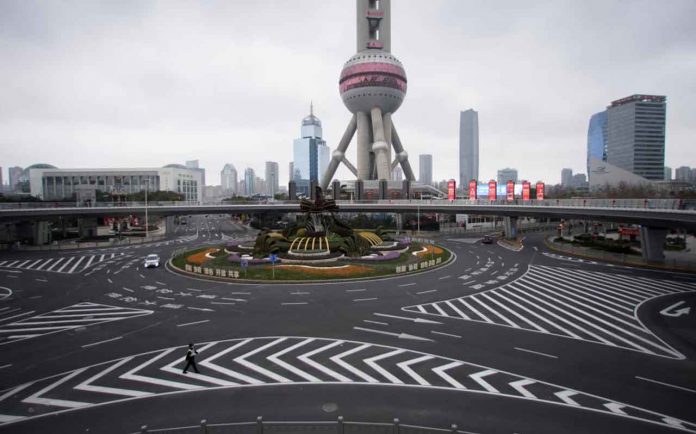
(142, 84)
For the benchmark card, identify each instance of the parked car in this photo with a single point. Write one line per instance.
(152, 260)
(487, 239)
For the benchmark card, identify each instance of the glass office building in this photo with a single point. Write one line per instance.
(310, 154)
(597, 138)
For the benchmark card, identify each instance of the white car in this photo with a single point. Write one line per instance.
(152, 261)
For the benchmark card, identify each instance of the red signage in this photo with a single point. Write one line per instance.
(540, 190)
(451, 189)
(526, 187)
(492, 190)
(628, 231)
(472, 189)
(510, 190)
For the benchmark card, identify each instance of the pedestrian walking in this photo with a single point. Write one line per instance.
(191, 358)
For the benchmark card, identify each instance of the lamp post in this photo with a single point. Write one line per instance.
(147, 186)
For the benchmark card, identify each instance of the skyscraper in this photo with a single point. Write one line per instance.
(683, 174)
(636, 135)
(194, 164)
(668, 173)
(271, 178)
(597, 138)
(228, 179)
(425, 169)
(310, 153)
(397, 174)
(249, 181)
(507, 174)
(468, 147)
(14, 173)
(567, 177)
(291, 171)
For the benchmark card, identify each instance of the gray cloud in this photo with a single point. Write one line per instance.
(147, 83)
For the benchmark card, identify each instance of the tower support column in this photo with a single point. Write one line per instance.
(364, 145)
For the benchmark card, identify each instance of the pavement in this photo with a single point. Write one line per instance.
(496, 341)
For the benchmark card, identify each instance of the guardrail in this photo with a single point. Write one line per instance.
(338, 426)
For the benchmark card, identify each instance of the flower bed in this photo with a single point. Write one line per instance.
(428, 250)
(237, 259)
(200, 257)
(343, 271)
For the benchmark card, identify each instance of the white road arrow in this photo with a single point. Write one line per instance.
(565, 397)
(668, 311)
(398, 335)
(416, 320)
(478, 377)
(519, 386)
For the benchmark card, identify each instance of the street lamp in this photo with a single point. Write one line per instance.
(147, 186)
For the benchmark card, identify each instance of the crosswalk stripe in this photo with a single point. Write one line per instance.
(55, 263)
(23, 263)
(89, 262)
(602, 300)
(12, 264)
(456, 309)
(471, 308)
(48, 261)
(65, 264)
(484, 295)
(76, 264)
(527, 320)
(29, 267)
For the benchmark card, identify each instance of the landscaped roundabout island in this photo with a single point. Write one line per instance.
(318, 247)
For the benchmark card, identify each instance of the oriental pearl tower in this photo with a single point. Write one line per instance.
(372, 86)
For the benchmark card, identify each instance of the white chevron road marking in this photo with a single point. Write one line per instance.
(615, 407)
(440, 370)
(242, 360)
(372, 362)
(405, 366)
(306, 358)
(198, 376)
(519, 386)
(338, 359)
(37, 399)
(565, 396)
(131, 375)
(208, 363)
(86, 385)
(275, 359)
(478, 377)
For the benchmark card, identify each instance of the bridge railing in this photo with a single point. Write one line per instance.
(673, 204)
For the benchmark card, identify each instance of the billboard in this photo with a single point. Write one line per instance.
(510, 191)
(492, 190)
(451, 189)
(540, 190)
(526, 190)
(472, 189)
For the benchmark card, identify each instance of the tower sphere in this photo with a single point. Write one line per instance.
(373, 78)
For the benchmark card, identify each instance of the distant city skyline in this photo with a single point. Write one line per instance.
(194, 99)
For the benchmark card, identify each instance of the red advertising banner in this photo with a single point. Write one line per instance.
(526, 190)
(510, 190)
(472, 189)
(451, 189)
(540, 190)
(492, 190)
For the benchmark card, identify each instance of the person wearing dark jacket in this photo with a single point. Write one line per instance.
(191, 358)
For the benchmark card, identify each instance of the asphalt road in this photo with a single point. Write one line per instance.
(495, 341)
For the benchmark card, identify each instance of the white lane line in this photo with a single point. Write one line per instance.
(687, 389)
(165, 298)
(444, 277)
(141, 276)
(127, 289)
(13, 277)
(102, 342)
(445, 334)
(292, 303)
(222, 302)
(376, 322)
(160, 283)
(536, 352)
(407, 284)
(16, 316)
(192, 323)
(364, 299)
(41, 280)
(6, 366)
(356, 290)
(426, 292)
(231, 293)
(110, 281)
